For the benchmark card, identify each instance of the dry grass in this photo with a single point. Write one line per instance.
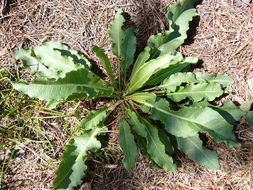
(223, 41)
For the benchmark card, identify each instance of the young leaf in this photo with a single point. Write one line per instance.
(191, 120)
(105, 62)
(94, 118)
(79, 81)
(116, 33)
(143, 96)
(128, 48)
(223, 79)
(182, 66)
(192, 147)
(197, 92)
(141, 59)
(156, 148)
(72, 166)
(144, 72)
(128, 145)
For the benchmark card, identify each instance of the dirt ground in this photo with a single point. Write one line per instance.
(222, 41)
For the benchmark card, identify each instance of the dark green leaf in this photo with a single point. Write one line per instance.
(192, 147)
(156, 148)
(72, 166)
(128, 49)
(105, 61)
(116, 33)
(128, 145)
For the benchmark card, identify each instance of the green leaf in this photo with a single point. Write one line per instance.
(137, 125)
(146, 70)
(181, 66)
(165, 139)
(141, 59)
(223, 79)
(249, 118)
(80, 81)
(105, 62)
(116, 33)
(189, 121)
(229, 111)
(32, 62)
(192, 147)
(59, 58)
(179, 16)
(156, 148)
(197, 92)
(128, 145)
(170, 84)
(94, 118)
(72, 166)
(128, 48)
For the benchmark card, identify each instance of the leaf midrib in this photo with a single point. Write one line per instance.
(190, 92)
(71, 85)
(162, 155)
(78, 157)
(171, 114)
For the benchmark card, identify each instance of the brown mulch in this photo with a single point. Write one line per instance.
(222, 40)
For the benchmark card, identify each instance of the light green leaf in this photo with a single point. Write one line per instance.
(52, 104)
(128, 145)
(116, 33)
(229, 111)
(223, 79)
(146, 70)
(143, 97)
(156, 148)
(94, 118)
(197, 92)
(141, 59)
(72, 166)
(189, 121)
(105, 61)
(32, 62)
(170, 84)
(181, 66)
(80, 81)
(247, 106)
(128, 48)
(192, 147)
(59, 59)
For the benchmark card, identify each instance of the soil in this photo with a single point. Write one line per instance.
(222, 40)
